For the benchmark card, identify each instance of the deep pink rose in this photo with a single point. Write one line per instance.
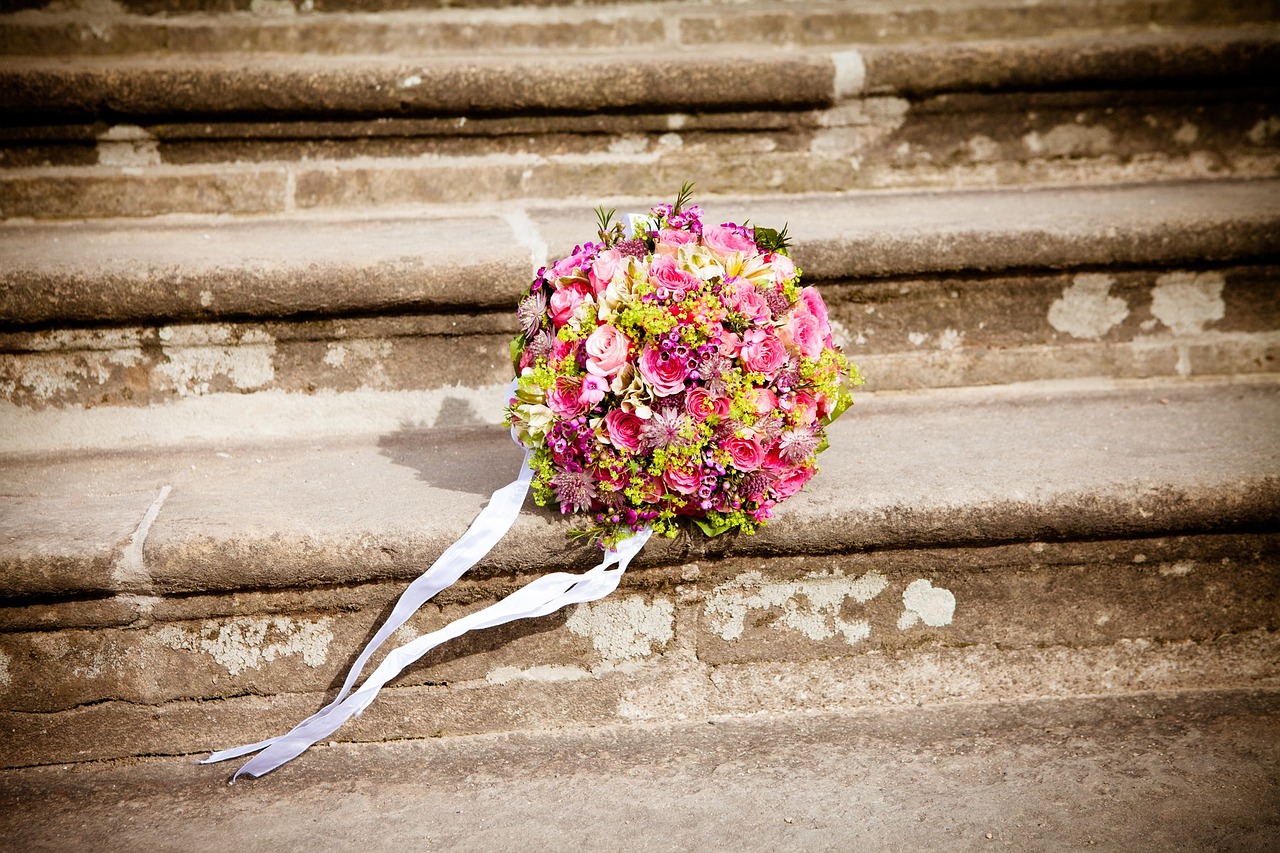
(804, 408)
(560, 351)
(762, 351)
(683, 480)
(802, 334)
(791, 482)
(564, 398)
(607, 351)
(671, 281)
(567, 267)
(774, 463)
(745, 453)
(606, 265)
(724, 241)
(664, 372)
(700, 405)
(563, 303)
(623, 429)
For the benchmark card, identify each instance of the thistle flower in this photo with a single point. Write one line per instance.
(663, 429)
(531, 313)
(575, 490)
(797, 445)
(541, 344)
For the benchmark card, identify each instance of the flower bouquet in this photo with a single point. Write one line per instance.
(674, 369)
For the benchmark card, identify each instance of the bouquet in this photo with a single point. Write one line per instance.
(674, 370)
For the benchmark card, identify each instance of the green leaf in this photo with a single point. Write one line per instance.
(517, 350)
(770, 240)
(712, 529)
(843, 402)
(685, 196)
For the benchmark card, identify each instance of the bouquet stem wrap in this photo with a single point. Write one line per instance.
(540, 597)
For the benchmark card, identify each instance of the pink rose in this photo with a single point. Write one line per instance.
(724, 241)
(603, 269)
(812, 302)
(765, 400)
(671, 239)
(561, 351)
(783, 269)
(762, 352)
(607, 351)
(683, 480)
(664, 372)
(700, 405)
(564, 398)
(671, 281)
(593, 391)
(802, 334)
(804, 408)
(747, 301)
(563, 303)
(568, 267)
(623, 429)
(745, 453)
(791, 482)
(729, 344)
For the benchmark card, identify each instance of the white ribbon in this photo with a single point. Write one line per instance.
(545, 595)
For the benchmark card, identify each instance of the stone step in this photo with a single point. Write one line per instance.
(1148, 771)
(128, 333)
(251, 135)
(119, 30)
(237, 85)
(1042, 541)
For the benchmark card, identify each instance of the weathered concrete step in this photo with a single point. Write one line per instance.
(158, 602)
(431, 258)
(1128, 772)
(239, 86)
(1017, 464)
(79, 32)
(877, 142)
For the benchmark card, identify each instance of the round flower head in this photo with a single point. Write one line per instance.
(676, 371)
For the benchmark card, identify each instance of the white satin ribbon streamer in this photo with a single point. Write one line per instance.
(538, 598)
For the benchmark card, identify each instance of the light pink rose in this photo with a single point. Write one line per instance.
(664, 372)
(606, 265)
(812, 302)
(762, 351)
(747, 301)
(700, 405)
(671, 281)
(783, 268)
(671, 239)
(724, 241)
(765, 400)
(593, 390)
(683, 480)
(745, 453)
(623, 429)
(791, 482)
(729, 344)
(607, 351)
(563, 303)
(802, 334)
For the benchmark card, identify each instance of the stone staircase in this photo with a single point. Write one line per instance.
(257, 270)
